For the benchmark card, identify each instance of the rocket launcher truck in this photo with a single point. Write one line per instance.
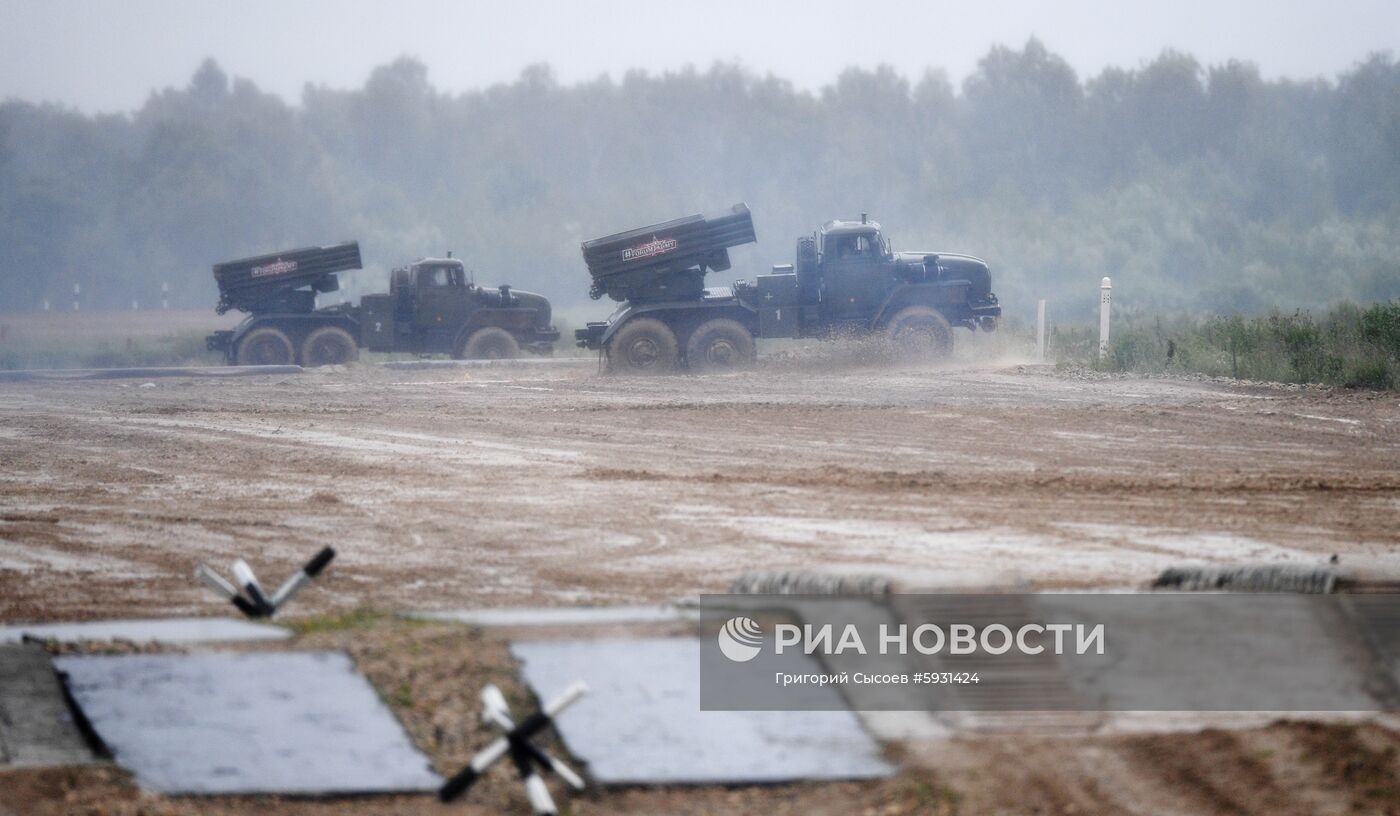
(433, 307)
(846, 279)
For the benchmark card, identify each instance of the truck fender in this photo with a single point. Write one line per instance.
(934, 295)
(510, 318)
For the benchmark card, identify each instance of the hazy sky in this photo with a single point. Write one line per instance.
(108, 56)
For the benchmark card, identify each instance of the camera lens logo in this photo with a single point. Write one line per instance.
(741, 639)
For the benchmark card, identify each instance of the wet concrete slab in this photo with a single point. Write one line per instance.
(641, 723)
(147, 630)
(287, 722)
(37, 729)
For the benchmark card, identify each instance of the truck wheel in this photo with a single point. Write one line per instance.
(644, 346)
(490, 343)
(266, 346)
(329, 345)
(720, 345)
(918, 333)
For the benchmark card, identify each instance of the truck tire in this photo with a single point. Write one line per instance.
(644, 345)
(329, 345)
(490, 343)
(720, 345)
(266, 346)
(919, 333)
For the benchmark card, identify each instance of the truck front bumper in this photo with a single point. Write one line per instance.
(986, 314)
(219, 341)
(541, 341)
(591, 336)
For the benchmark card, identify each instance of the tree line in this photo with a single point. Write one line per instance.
(1200, 189)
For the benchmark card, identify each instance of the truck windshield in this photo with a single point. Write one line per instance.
(858, 246)
(441, 276)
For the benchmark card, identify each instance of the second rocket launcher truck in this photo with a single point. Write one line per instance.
(433, 307)
(845, 280)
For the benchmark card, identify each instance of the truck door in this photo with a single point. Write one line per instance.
(441, 305)
(853, 270)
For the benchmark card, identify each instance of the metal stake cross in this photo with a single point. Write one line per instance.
(515, 741)
(248, 595)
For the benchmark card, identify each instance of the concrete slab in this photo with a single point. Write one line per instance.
(642, 723)
(284, 722)
(561, 616)
(37, 728)
(153, 630)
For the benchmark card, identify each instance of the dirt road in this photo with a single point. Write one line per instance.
(542, 485)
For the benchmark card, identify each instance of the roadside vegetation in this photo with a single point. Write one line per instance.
(1347, 345)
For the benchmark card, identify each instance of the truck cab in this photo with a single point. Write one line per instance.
(853, 276)
(854, 260)
(440, 295)
(435, 307)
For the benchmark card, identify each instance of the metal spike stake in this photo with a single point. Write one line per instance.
(302, 577)
(243, 574)
(221, 585)
(495, 710)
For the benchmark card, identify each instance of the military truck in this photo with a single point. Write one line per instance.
(846, 280)
(433, 307)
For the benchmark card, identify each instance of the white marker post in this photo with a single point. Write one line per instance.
(77, 293)
(1105, 302)
(165, 296)
(1040, 331)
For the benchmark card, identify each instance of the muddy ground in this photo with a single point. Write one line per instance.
(553, 485)
(548, 485)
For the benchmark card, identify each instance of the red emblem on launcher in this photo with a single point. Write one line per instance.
(275, 268)
(652, 248)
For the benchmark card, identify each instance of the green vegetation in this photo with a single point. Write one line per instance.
(361, 617)
(1346, 346)
(1198, 188)
(931, 797)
